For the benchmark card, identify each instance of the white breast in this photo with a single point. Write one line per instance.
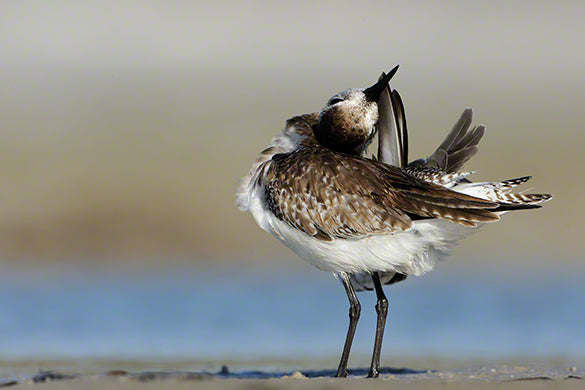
(284, 142)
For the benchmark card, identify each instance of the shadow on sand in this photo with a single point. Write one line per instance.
(358, 372)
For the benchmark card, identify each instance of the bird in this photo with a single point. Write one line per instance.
(371, 221)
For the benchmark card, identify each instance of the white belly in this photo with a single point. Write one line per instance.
(411, 252)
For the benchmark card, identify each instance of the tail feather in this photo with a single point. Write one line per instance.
(513, 207)
(525, 198)
(500, 192)
(510, 183)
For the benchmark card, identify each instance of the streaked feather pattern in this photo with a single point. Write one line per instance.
(332, 195)
(436, 176)
(500, 192)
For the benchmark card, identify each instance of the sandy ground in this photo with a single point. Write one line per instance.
(237, 375)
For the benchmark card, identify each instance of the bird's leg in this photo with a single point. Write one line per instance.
(382, 311)
(354, 315)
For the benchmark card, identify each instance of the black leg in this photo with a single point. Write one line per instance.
(354, 316)
(382, 310)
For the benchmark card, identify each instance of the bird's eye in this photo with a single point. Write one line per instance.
(334, 101)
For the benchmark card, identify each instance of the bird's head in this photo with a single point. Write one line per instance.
(348, 121)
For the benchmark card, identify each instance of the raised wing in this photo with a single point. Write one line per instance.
(458, 147)
(392, 132)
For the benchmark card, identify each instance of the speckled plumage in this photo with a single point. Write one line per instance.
(330, 196)
(371, 222)
(335, 195)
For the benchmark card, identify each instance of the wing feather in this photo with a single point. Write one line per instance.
(398, 107)
(391, 126)
(457, 147)
(332, 195)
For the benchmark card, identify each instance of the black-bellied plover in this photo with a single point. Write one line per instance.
(370, 222)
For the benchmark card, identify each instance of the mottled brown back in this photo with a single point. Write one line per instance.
(334, 195)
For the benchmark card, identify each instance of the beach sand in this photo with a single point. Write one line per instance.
(111, 374)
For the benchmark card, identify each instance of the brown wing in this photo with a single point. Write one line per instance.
(327, 194)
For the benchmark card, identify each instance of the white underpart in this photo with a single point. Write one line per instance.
(411, 252)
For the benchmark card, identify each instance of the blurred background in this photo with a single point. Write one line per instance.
(125, 127)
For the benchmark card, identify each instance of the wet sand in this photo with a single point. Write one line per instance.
(312, 384)
(420, 374)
